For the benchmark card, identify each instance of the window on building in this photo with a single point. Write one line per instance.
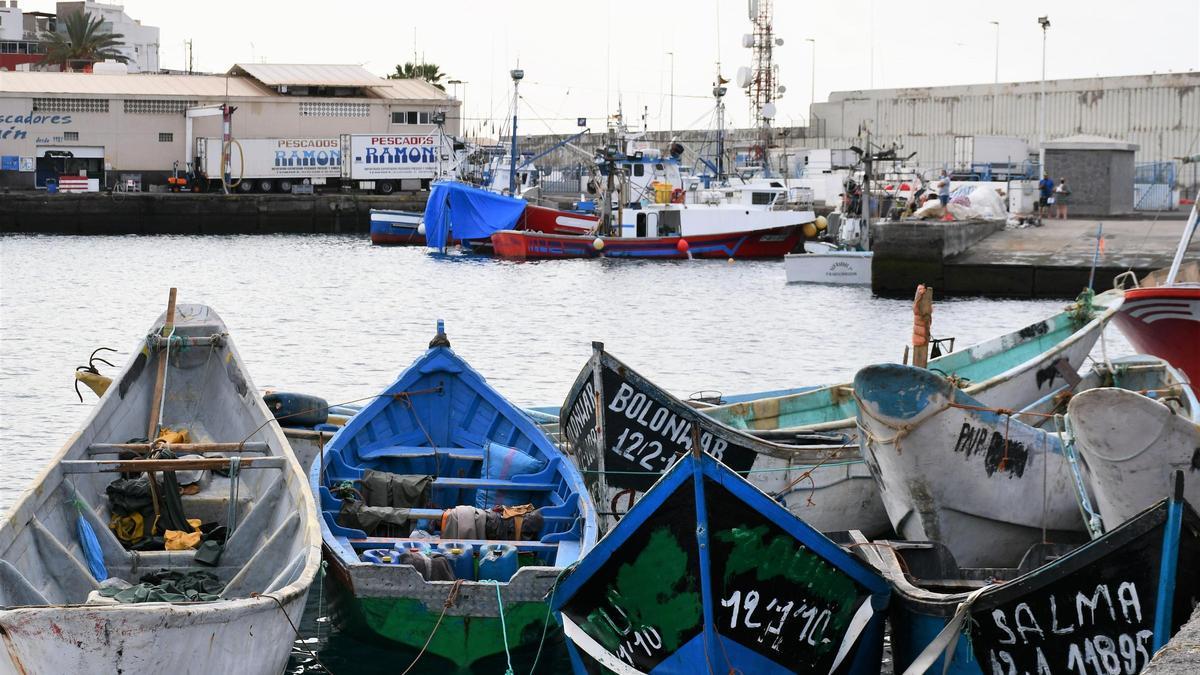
(71, 105)
(424, 118)
(329, 109)
(412, 117)
(639, 169)
(166, 137)
(157, 106)
(70, 135)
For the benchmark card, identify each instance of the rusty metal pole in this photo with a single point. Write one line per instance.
(922, 321)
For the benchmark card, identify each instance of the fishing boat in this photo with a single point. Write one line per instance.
(1009, 371)
(954, 470)
(624, 432)
(1161, 315)
(406, 228)
(69, 549)
(409, 489)
(1134, 434)
(708, 574)
(666, 232)
(396, 228)
(1105, 607)
(457, 212)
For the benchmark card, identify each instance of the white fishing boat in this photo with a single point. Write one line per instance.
(66, 605)
(1134, 435)
(823, 263)
(953, 470)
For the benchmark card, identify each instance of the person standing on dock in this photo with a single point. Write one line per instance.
(1061, 193)
(944, 189)
(1046, 187)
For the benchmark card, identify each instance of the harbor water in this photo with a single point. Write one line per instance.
(337, 317)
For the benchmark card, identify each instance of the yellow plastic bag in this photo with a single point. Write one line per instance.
(173, 436)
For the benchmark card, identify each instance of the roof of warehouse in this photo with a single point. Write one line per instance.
(276, 74)
(132, 85)
(239, 83)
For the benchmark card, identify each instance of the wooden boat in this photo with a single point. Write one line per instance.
(404, 228)
(1009, 371)
(441, 422)
(52, 618)
(953, 470)
(624, 431)
(1134, 434)
(457, 212)
(1105, 607)
(1161, 315)
(396, 228)
(708, 574)
(843, 268)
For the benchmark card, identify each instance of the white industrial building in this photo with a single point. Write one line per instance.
(105, 126)
(139, 43)
(1159, 113)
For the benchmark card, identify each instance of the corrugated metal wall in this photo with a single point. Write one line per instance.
(1161, 113)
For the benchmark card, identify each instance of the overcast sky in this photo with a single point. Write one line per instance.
(580, 58)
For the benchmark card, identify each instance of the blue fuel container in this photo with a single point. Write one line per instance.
(462, 558)
(419, 546)
(497, 562)
(381, 556)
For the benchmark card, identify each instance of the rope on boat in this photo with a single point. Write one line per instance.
(1090, 518)
(295, 630)
(743, 472)
(503, 628)
(235, 479)
(450, 598)
(549, 608)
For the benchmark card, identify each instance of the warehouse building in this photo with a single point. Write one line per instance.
(1160, 114)
(112, 126)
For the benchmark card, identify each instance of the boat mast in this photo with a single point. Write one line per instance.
(1188, 232)
(517, 74)
(866, 197)
(719, 93)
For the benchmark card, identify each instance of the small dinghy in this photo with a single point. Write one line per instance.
(951, 469)
(708, 574)
(447, 515)
(987, 482)
(624, 432)
(85, 583)
(1009, 371)
(1105, 607)
(1134, 434)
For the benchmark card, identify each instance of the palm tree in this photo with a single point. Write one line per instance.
(83, 43)
(419, 71)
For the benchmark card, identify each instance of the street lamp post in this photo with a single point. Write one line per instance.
(462, 108)
(1044, 22)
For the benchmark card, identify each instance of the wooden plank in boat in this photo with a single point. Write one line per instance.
(419, 451)
(491, 483)
(178, 448)
(137, 465)
(369, 542)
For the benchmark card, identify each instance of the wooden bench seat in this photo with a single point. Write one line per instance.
(421, 452)
(390, 542)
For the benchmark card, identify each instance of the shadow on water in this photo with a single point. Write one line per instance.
(339, 653)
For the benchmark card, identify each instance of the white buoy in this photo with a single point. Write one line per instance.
(598, 244)
(421, 228)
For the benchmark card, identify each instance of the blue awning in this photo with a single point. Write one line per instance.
(463, 212)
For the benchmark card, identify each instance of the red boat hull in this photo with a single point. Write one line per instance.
(1165, 321)
(772, 243)
(553, 221)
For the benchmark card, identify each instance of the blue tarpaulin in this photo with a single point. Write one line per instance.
(463, 212)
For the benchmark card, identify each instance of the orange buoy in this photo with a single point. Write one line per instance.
(682, 246)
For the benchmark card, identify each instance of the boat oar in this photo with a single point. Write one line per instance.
(157, 398)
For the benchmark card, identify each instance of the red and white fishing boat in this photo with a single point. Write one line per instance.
(1161, 316)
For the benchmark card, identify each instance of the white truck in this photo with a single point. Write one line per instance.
(385, 163)
(271, 164)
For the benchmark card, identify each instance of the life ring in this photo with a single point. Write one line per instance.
(677, 196)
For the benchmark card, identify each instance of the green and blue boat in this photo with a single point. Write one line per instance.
(447, 517)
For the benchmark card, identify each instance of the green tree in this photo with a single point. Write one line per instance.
(419, 71)
(83, 43)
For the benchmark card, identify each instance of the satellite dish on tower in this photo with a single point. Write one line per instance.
(768, 111)
(753, 6)
(781, 90)
(747, 40)
(778, 42)
(743, 77)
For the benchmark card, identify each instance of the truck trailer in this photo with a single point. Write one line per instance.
(270, 164)
(386, 163)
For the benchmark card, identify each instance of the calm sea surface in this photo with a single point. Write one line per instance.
(335, 316)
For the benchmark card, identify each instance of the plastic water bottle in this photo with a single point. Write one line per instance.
(462, 558)
(380, 556)
(497, 562)
(418, 546)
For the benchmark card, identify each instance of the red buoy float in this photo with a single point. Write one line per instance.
(682, 246)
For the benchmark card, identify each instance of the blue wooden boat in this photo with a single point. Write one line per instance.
(1105, 607)
(420, 466)
(708, 574)
(396, 228)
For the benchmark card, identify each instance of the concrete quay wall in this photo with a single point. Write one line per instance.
(169, 213)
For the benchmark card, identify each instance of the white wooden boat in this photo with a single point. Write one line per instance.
(1134, 435)
(847, 268)
(952, 470)
(52, 619)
